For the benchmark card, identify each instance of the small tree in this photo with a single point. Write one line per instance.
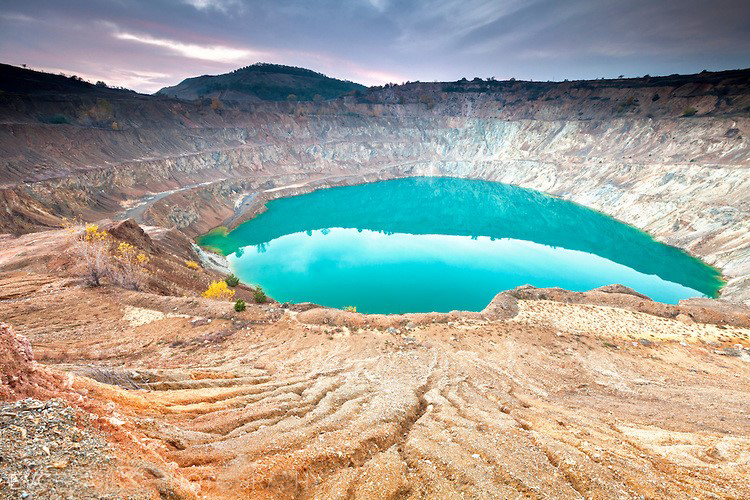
(218, 290)
(259, 296)
(232, 280)
(689, 111)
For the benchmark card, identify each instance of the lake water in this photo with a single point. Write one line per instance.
(438, 244)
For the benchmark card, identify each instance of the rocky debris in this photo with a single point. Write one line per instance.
(302, 306)
(211, 260)
(19, 375)
(735, 352)
(684, 318)
(617, 288)
(200, 322)
(504, 305)
(688, 311)
(181, 218)
(49, 450)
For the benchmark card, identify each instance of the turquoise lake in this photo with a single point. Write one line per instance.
(437, 244)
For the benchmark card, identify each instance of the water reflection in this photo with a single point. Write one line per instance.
(478, 211)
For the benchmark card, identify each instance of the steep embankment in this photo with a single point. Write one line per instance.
(668, 155)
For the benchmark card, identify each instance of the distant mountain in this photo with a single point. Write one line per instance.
(263, 82)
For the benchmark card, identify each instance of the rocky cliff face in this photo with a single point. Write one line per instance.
(667, 155)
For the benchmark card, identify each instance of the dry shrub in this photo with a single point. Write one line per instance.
(91, 246)
(124, 266)
(129, 269)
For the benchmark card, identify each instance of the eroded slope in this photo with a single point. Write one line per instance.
(272, 403)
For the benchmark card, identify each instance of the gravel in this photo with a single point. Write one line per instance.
(49, 450)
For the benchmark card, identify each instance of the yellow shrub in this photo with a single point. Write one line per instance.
(127, 252)
(84, 232)
(192, 264)
(218, 290)
(91, 248)
(130, 271)
(92, 233)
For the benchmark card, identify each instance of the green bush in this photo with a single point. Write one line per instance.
(260, 296)
(239, 306)
(689, 111)
(232, 280)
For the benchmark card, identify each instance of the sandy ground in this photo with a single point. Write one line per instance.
(560, 400)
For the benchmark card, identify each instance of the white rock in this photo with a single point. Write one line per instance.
(116, 421)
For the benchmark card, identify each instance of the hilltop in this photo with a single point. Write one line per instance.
(263, 82)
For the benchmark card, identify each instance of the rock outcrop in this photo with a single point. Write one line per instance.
(19, 376)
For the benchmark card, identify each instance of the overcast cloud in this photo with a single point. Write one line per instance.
(146, 45)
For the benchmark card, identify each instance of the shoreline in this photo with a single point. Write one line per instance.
(299, 189)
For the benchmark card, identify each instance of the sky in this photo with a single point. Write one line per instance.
(148, 44)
